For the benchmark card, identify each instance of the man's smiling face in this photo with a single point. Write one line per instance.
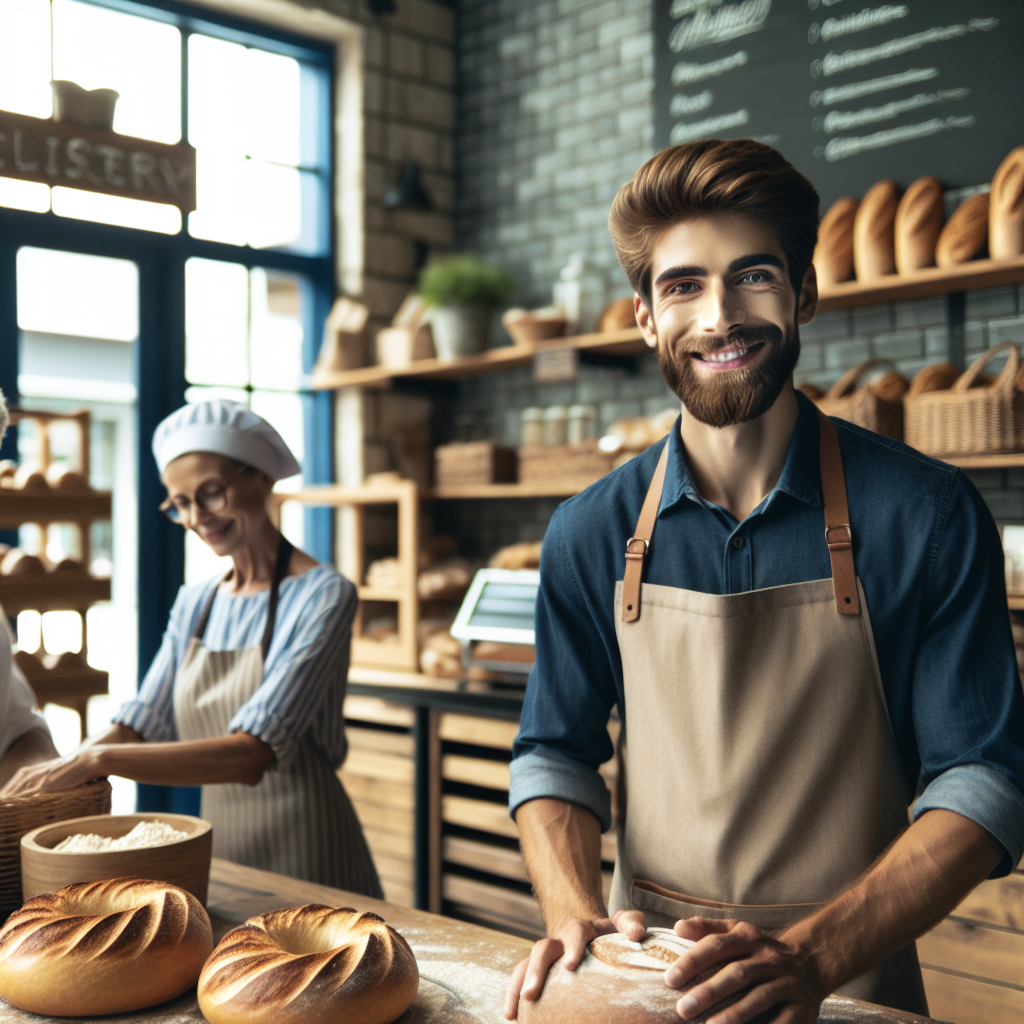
(723, 315)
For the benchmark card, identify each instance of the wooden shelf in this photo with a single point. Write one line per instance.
(17, 507)
(552, 489)
(380, 594)
(1007, 460)
(51, 592)
(930, 281)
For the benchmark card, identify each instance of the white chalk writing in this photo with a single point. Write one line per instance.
(853, 91)
(841, 149)
(719, 26)
(683, 105)
(684, 132)
(871, 17)
(844, 120)
(686, 74)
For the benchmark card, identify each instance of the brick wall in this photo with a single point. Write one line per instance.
(554, 114)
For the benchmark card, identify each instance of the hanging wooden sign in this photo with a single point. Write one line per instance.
(62, 153)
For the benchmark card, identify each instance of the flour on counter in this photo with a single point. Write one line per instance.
(145, 834)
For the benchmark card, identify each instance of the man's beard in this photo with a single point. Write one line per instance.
(725, 397)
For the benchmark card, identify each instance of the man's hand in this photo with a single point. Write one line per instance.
(769, 973)
(569, 943)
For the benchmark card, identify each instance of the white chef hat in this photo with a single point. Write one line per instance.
(224, 428)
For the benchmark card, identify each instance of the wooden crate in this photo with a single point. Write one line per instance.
(583, 463)
(477, 462)
(973, 961)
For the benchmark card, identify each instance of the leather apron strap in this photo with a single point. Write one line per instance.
(284, 557)
(838, 535)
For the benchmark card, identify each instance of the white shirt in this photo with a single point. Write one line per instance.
(17, 701)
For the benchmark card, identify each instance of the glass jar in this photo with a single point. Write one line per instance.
(582, 423)
(531, 426)
(556, 424)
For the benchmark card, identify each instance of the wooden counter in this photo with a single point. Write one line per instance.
(463, 968)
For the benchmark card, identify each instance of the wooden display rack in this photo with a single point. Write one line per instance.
(68, 685)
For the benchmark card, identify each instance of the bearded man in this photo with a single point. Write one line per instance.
(802, 624)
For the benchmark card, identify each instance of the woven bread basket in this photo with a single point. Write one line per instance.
(977, 415)
(24, 813)
(877, 405)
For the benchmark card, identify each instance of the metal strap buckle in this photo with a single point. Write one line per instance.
(637, 554)
(843, 541)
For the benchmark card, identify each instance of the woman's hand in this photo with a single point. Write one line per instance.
(50, 776)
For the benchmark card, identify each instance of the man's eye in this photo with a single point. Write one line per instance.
(684, 288)
(755, 277)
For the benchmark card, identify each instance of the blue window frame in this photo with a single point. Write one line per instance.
(161, 258)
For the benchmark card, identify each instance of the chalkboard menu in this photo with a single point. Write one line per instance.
(849, 93)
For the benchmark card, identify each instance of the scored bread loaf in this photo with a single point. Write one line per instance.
(309, 965)
(833, 255)
(918, 224)
(1006, 209)
(103, 947)
(18, 563)
(874, 253)
(965, 232)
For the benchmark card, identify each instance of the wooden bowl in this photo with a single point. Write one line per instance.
(527, 329)
(185, 863)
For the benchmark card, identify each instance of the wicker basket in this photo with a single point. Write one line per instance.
(976, 416)
(876, 406)
(22, 814)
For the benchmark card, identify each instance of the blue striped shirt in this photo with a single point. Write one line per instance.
(304, 676)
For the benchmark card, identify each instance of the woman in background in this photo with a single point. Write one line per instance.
(245, 694)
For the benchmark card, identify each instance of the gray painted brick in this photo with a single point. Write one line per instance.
(871, 319)
(907, 344)
(927, 312)
(989, 302)
(936, 343)
(1011, 329)
(842, 355)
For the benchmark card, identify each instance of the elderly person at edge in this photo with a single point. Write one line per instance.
(245, 694)
(24, 736)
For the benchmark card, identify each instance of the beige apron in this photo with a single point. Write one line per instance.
(763, 775)
(297, 820)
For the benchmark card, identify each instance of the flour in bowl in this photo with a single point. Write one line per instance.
(146, 833)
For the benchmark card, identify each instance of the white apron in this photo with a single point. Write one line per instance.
(762, 775)
(297, 820)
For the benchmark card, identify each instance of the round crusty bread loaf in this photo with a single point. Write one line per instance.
(619, 982)
(918, 224)
(833, 255)
(19, 563)
(103, 947)
(965, 232)
(1006, 209)
(312, 964)
(874, 246)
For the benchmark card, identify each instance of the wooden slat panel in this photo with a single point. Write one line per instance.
(384, 767)
(385, 819)
(373, 709)
(495, 859)
(476, 771)
(377, 739)
(515, 906)
(390, 844)
(394, 869)
(484, 732)
(974, 949)
(478, 814)
(999, 901)
(965, 1001)
(397, 892)
(399, 795)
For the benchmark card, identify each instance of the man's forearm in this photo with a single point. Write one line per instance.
(31, 748)
(916, 883)
(562, 847)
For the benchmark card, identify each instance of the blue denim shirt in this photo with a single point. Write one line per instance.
(930, 560)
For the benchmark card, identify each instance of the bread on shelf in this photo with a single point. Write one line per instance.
(874, 246)
(833, 255)
(1006, 208)
(17, 563)
(918, 224)
(965, 233)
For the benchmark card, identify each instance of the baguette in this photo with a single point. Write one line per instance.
(874, 246)
(833, 255)
(965, 232)
(1006, 209)
(918, 225)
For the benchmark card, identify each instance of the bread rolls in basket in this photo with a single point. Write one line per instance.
(309, 965)
(103, 947)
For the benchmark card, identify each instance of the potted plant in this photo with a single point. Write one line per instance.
(461, 293)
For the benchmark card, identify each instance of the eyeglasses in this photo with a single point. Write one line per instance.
(211, 497)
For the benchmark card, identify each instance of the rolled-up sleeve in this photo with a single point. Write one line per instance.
(563, 733)
(968, 704)
(301, 670)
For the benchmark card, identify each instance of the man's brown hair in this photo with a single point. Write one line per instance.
(712, 176)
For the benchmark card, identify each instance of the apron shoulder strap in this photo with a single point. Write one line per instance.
(284, 557)
(199, 630)
(838, 534)
(638, 545)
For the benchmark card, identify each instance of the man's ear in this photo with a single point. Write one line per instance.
(645, 321)
(807, 301)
